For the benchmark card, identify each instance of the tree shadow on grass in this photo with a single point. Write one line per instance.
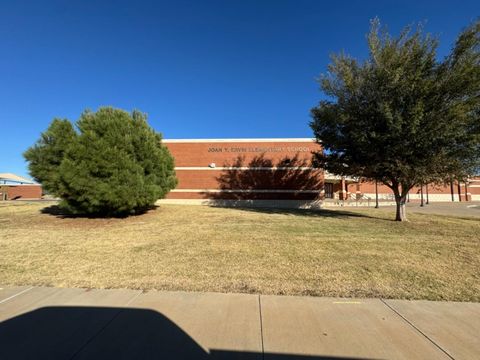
(320, 213)
(290, 178)
(63, 213)
(88, 332)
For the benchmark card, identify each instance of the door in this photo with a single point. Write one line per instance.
(328, 190)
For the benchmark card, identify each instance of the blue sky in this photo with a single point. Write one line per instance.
(200, 69)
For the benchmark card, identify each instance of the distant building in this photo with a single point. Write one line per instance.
(276, 172)
(13, 187)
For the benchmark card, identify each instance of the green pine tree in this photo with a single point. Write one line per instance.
(45, 156)
(116, 165)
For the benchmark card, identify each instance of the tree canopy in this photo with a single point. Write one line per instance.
(45, 156)
(402, 117)
(113, 163)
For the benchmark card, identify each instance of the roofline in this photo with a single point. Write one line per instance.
(22, 184)
(17, 182)
(259, 140)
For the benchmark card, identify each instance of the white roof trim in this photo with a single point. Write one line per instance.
(14, 178)
(203, 168)
(17, 184)
(167, 141)
(244, 191)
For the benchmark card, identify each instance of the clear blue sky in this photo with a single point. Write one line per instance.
(200, 69)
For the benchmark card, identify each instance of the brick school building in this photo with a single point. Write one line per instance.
(278, 172)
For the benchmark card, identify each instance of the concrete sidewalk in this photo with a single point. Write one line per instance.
(52, 323)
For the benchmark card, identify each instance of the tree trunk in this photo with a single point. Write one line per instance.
(400, 191)
(401, 209)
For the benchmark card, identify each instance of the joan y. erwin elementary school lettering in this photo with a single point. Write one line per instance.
(258, 149)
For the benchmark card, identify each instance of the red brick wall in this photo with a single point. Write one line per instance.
(242, 165)
(23, 191)
(254, 165)
(201, 154)
(244, 195)
(249, 179)
(474, 188)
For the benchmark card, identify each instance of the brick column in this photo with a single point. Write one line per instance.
(343, 191)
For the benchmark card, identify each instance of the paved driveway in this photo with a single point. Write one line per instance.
(52, 323)
(462, 209)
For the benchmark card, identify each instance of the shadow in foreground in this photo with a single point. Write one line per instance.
(60, 212)
(108, 333)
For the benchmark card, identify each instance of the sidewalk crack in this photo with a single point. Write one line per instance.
(89, 341)
(261, 325)
(15, 295)
(417, 329)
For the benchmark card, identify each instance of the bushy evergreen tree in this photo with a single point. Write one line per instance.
(115, 165)
(402, 117)
(45, 156)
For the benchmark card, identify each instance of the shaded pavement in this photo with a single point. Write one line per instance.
(53, 323)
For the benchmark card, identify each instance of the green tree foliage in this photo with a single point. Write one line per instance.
(115, 165)
(402, 117)
(45, 156)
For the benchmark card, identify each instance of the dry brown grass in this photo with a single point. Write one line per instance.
(360, 253)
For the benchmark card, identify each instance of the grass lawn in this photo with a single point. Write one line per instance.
(357, 253)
